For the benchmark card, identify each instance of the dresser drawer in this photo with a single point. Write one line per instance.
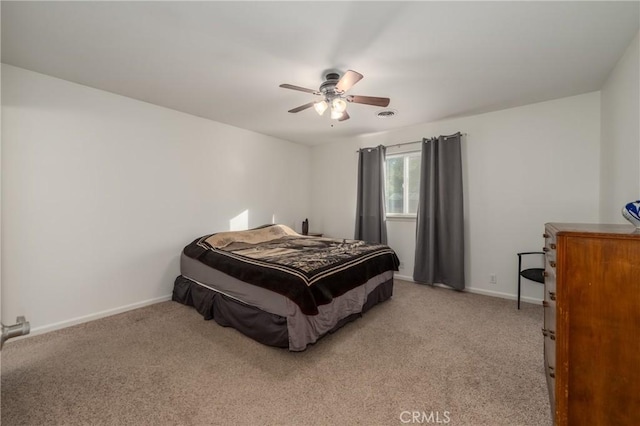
(549, 318)
(550, 257)
(549, 282)
(550, 264)
(550, 369)
(550, 291)
(549, 244)
(549, 333)
(549, 250)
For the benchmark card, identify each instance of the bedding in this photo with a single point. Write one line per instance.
(312, 285)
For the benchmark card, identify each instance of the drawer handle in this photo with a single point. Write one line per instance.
(553, 246)
(545, 249)
(545, 235)
(551, 373)
(552, 263)
(545, 304)
(545, 274)
(552, 295)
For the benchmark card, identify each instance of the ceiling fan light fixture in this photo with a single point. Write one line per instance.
(321, 107)
(339, 105)
(335, 114)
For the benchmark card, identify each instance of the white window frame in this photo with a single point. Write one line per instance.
(405, 188)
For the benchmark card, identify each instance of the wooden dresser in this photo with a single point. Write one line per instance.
(592, 323)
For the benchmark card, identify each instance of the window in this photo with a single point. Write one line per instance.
(402, 183)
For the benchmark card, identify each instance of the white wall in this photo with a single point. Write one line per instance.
(1, 317)
(523, 167)
(620, 150)
(101, 193)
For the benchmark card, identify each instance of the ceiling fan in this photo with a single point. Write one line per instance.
(333, 97)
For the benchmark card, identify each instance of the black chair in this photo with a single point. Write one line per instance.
(533, 274)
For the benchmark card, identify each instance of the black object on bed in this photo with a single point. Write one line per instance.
(281, 288)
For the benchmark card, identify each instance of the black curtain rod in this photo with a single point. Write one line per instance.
(410, 143)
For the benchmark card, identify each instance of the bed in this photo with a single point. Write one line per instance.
(281, 288)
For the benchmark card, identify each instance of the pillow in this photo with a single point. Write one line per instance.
(251, 236)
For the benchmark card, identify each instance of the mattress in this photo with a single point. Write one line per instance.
(310, 271)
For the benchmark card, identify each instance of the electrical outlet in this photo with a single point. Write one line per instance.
(493, 279)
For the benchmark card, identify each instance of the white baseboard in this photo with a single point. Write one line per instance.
(481, 291)
(91, 317)
(79, 320)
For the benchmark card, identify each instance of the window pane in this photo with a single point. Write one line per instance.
(414, 183)
(395, 176)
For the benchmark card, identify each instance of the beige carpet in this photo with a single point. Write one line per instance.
(465, 358)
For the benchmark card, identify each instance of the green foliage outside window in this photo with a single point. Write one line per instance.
(402, 183)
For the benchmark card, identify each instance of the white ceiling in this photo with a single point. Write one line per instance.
(225, 60)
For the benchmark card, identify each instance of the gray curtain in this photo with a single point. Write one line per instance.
(371, 222)
(440, 219)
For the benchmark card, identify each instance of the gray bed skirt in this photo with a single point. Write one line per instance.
(264, 327)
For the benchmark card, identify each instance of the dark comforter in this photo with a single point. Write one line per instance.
(309, 271)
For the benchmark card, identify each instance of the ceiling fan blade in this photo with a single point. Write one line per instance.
(345, 116)
(348, 80)
(369, 100)
(301, 89)
(302, 107)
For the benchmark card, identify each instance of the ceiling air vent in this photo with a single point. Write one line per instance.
(387, 113)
